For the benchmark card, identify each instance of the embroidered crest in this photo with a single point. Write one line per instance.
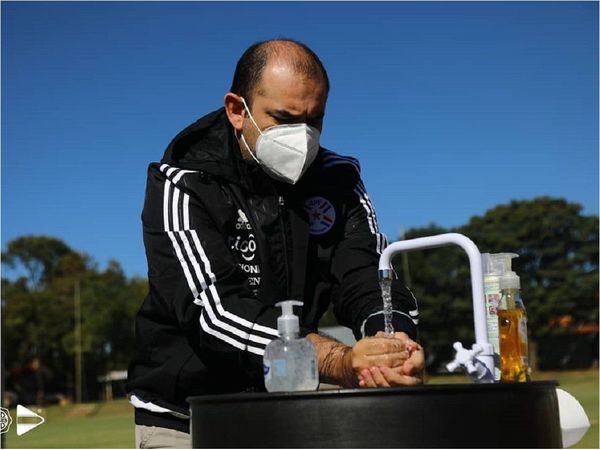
(321, 215)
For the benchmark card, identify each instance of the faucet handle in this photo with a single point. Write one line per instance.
(468, 359)
(461, 358)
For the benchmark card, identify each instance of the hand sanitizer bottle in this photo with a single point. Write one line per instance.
(290, 363)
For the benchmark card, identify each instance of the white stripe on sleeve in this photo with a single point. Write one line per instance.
(186, 212)
(208, 296)
(217, 299)
(381, 240)
(224, 337)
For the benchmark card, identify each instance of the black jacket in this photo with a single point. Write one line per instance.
(225, 242)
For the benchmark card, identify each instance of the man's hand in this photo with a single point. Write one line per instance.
(344, 366)
(410, 372)
(380, 350)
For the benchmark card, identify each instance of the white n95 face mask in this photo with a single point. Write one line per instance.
(285, 151)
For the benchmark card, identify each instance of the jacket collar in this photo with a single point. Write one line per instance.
(209, 145)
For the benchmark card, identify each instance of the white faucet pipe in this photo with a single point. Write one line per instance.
(441, 240)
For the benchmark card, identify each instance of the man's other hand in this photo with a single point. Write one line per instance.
(402, 365)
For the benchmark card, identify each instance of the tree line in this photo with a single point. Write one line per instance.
(558, 266)
(39, 330)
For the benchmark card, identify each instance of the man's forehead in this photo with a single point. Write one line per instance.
(286, 89)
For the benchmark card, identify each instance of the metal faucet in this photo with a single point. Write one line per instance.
(482, 354)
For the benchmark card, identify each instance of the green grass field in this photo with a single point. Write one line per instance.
(89, 425)
(110, 425)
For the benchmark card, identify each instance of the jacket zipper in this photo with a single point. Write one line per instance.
(285, 243)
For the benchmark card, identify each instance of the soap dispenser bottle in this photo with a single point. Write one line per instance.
(512, 320)
(290, 362)
(493, 268)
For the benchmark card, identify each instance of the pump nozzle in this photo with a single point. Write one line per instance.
(509, 279)
(497, 263)
(288, 323)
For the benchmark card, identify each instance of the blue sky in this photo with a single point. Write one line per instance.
(452, 108)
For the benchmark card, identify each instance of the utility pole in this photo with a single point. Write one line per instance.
(78, 359)
(405, 268)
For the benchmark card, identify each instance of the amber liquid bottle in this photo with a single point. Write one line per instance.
(512, 320)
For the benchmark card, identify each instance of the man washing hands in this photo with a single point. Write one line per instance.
(246, 208)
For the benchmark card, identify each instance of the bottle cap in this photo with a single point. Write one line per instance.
(509, 279)
(496, 263)
(288, 323)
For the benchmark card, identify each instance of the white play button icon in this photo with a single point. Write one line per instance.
(27, 420)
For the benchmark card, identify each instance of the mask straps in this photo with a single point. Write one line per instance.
(250, 151)
(242, 134)
(250, 115)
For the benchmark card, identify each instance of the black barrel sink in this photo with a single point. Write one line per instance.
(522, 415)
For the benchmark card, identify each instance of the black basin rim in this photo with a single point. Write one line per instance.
(406, 390)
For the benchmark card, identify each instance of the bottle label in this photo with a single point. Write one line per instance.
(523, 329)
(523, 338)
(267, 369)
(492, 304)
(279, 367)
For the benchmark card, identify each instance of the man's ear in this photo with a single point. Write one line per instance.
(234, 107)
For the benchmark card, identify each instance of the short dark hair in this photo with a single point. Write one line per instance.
(250, 66)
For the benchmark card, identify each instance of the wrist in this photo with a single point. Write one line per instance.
(349, 378)
(338, 367)
(334, 361)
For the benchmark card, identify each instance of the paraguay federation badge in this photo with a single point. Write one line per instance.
(321, 215)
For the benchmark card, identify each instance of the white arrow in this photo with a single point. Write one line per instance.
(27, 425)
